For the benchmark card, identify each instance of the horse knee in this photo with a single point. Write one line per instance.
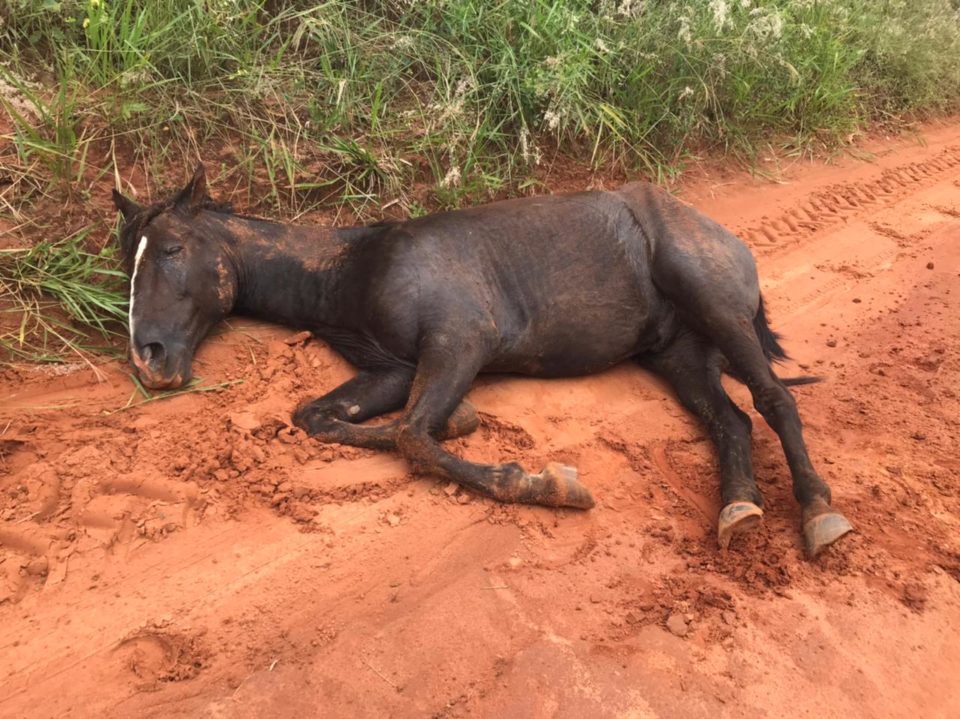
(414, 443)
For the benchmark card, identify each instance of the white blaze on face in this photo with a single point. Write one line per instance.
(133, 285)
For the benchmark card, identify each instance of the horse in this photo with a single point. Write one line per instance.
(547, 286)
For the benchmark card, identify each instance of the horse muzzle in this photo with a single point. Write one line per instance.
(158, 368)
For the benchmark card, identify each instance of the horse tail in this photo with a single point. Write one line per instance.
(774, 352)
(769, 340)
(804, 379)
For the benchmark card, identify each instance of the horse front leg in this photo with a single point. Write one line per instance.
(335, 417)
(448, 365)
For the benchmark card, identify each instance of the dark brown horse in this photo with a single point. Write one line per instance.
(546, 286)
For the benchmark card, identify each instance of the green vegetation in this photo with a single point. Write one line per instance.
(62, 275)
(141, 395)
(440, 103)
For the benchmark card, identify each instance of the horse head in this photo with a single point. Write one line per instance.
(182, 280)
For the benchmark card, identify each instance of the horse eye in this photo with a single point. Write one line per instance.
(171, 251)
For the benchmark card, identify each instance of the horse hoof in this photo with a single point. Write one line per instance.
(821, 531)
(737, 518)
(562, 489)
(462, 422)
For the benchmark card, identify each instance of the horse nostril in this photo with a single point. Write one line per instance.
(152, 352)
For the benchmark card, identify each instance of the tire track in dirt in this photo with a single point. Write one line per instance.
(835, 204)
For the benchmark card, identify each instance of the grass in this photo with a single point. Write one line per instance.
(61, 298)
(195, 386)
(440, 103)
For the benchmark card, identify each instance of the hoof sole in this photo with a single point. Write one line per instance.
(821, 531)
(564, 487)
(737, 518)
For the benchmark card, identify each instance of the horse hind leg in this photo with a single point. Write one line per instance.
(822, 524)
(692, 368)
(710, 277)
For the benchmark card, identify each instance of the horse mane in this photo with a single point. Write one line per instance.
(148, 213)
(143, 218)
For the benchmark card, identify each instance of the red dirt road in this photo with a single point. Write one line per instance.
(197, 557)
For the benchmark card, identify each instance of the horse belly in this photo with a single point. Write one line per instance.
(563, 345)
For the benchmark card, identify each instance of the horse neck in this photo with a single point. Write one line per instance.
(288, 273)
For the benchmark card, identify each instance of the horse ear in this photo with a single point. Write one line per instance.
(128, 208)
(194, 194)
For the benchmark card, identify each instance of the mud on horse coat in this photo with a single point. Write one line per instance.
(548, 286)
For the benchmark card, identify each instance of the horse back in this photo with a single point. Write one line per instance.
(562, 278)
